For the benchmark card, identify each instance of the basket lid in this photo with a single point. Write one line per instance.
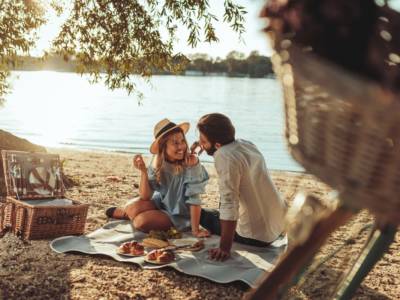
(32, 175)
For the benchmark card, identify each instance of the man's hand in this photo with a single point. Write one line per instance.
(196, 148)
(218, 254)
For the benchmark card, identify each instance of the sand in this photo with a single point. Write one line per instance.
(31, 270)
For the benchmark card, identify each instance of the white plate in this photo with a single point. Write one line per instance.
(183, 242)
(155, 262)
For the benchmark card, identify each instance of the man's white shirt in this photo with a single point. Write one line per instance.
(248, 195)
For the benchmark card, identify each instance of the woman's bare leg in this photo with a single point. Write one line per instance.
(138, 206)
(144, 214)
(152, 220)
(132, 208)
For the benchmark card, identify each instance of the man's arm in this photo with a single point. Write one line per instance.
(227, 233)
(229, 174)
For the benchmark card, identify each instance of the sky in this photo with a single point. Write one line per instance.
(253, 38)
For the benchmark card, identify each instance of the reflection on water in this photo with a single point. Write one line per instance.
(63, 109)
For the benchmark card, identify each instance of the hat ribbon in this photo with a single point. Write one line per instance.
(165, 128)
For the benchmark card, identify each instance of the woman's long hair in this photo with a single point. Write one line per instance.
(161, 156)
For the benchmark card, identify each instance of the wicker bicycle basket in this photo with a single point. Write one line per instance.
(343, 129)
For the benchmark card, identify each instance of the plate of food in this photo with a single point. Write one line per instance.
(160, 257)
(183, 242)
(195, 247)
(171, 233)
(131, 249)
(154, 243)
(188, 244)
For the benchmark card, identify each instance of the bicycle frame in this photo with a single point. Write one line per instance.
(296, 258)
(289, 269)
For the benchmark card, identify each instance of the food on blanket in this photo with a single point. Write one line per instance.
(152, 255)
(154, 243)
(187, 244)
(133, 248)
(137, 249)
(172, 233)
(166, 257)
(160, 256)
(358, 35)
(158, 234)
(199, 245)
(124, 248)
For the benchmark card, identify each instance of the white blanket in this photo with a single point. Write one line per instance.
(246, 264)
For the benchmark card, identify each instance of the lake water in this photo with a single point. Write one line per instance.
(64, 110)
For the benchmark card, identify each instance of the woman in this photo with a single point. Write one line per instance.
(170, 187)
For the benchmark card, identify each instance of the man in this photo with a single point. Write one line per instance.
(251, 211)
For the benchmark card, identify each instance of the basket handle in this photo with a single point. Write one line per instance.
(20, 216)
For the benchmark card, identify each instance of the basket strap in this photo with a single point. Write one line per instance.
(43, 182)
(20, 220)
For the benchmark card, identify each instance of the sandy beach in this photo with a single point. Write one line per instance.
(31, 270)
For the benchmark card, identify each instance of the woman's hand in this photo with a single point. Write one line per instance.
(192, 160)
(201, 233)
(138, 163)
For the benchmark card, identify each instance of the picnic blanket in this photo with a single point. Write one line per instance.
(246, 264)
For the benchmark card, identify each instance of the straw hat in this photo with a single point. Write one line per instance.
(163, 127)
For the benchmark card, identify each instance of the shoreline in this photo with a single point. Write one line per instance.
(121, 152)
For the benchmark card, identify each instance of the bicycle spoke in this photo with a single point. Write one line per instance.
(373, 251)
(296, 259)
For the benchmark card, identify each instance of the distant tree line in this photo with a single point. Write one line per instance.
(236, 64)
(50, 62)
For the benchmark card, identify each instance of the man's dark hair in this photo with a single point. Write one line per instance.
(217, 128)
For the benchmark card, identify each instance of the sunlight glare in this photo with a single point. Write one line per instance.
(57, 112)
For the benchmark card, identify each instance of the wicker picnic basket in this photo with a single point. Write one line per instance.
(343, 129)
(35, 206)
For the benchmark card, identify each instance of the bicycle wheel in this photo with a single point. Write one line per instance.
(296, 278)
